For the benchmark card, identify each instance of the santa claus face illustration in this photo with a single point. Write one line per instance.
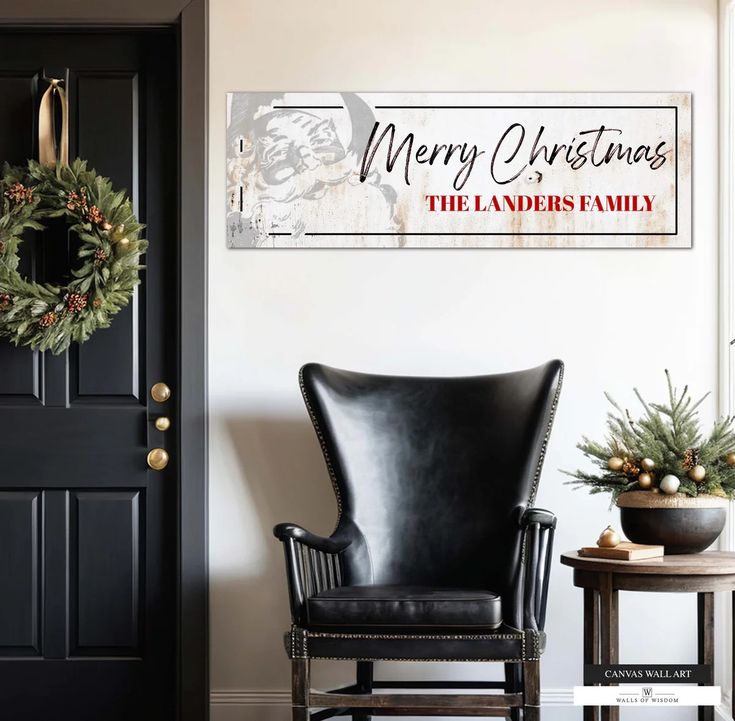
(295, 170)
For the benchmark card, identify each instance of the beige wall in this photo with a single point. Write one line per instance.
(616, 317)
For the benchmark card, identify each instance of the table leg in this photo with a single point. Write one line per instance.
(608, 634)
(591, 641)
(706, 643)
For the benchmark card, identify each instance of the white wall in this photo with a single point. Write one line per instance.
(616, 317)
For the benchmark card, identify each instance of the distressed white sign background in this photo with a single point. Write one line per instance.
(363, 170)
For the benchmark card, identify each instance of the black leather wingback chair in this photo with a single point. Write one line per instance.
(438, 553)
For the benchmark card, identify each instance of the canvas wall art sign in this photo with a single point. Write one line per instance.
(457, 170)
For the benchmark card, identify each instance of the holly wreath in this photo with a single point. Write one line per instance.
(50, 317)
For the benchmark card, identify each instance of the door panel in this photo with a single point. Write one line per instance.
(19, 379)
(100, 134)
(105, 573)
(87, 531)
(20, 560)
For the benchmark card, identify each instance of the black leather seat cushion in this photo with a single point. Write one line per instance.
(361, 607)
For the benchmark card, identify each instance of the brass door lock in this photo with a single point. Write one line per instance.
(160, 392)
(157, 459)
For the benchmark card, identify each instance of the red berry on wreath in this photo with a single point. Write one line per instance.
(47, 319)
(5, 300)
(76, 302)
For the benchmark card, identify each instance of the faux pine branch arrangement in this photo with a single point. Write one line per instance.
(663, 451)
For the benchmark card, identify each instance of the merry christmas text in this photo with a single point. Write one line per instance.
(516, 151)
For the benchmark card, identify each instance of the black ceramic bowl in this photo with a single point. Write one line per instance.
(678, 530)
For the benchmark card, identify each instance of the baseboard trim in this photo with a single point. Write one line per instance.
(242, 697)
(246, 697)
(557, 697)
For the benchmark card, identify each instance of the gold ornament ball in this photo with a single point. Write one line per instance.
(647, 464)
(645, 481)
(697, 473)
(730, 458)
(615, 464)
(608, 538)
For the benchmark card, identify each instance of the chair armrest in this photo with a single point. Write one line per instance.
(545, 518)
(312, 565)
(538, 527)
(284, 531)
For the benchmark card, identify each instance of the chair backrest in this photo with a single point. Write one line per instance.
(432, 474)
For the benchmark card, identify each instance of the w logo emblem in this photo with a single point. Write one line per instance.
(647, 692)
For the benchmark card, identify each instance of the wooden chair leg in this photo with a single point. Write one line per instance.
(513, 685)
(300, 683)
(531, 691)
(365, 685)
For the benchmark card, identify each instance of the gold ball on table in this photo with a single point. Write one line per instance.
(697, 473)
(647, 464)
(615, 464)
(730, 458)
(608, 538)
(645, 481)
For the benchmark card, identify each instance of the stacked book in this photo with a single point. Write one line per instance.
(623, 552)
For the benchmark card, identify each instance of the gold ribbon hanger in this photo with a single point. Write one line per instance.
(48, 151)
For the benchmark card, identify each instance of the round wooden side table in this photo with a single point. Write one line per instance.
(601, 579)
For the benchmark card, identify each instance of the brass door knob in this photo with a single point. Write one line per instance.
(160, 392)
(162, 423)
(157, 459)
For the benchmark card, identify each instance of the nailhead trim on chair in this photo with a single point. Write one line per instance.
(425, 660)
(535, 645)
(444, 637)
(323, 444)
(300, 637)
(298, 643)
(547, 435)
(541, 457)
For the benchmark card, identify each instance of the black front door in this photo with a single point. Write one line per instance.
(87, 530)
